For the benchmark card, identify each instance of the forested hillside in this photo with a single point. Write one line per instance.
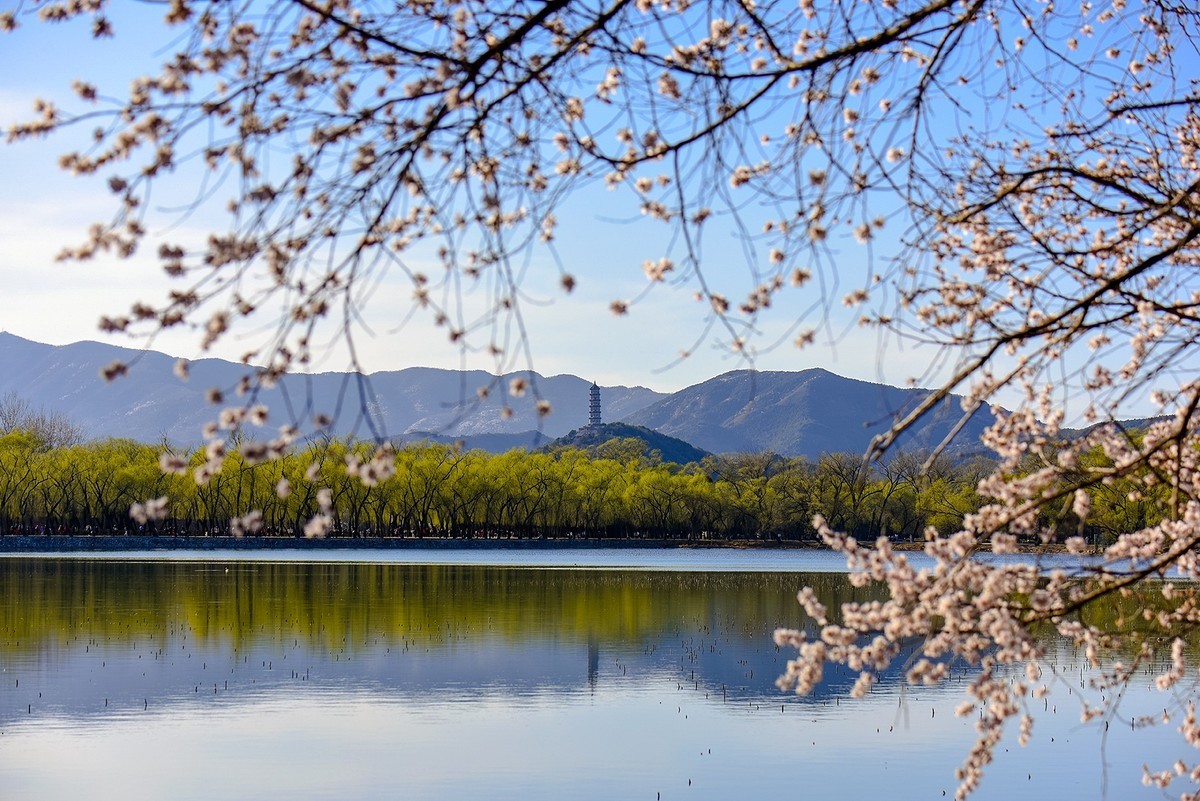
(623, 441)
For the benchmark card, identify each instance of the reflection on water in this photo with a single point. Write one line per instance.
(147, 680)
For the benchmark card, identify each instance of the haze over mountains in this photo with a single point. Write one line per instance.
(151, 403)
(804, 413)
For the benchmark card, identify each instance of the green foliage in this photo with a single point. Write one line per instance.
(436, 490)
(629, 443)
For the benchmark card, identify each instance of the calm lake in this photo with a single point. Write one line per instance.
(486, 674)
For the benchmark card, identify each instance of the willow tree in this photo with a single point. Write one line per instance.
(1022, 178)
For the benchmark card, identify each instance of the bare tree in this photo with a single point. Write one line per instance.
(1035, 167)
(51, 429)
(14, 411)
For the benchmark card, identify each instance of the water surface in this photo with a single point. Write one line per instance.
(209, 676)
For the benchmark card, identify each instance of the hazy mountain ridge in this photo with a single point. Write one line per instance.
(151, 403)
(804, 413)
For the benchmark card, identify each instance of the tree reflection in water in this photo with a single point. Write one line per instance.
(564, 672)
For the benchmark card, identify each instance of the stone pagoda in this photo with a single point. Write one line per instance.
(594, 406)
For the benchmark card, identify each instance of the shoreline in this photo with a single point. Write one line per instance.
(119, 543)
(68, 543)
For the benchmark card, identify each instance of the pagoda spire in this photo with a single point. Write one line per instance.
(594, 406)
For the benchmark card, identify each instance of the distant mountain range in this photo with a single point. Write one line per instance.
(150, 403)
(804, 413)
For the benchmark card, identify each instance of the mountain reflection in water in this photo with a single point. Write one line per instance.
(353, 680)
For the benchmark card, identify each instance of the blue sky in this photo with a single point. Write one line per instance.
(597, 241)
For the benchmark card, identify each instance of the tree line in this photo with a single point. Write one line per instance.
(611, 491)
